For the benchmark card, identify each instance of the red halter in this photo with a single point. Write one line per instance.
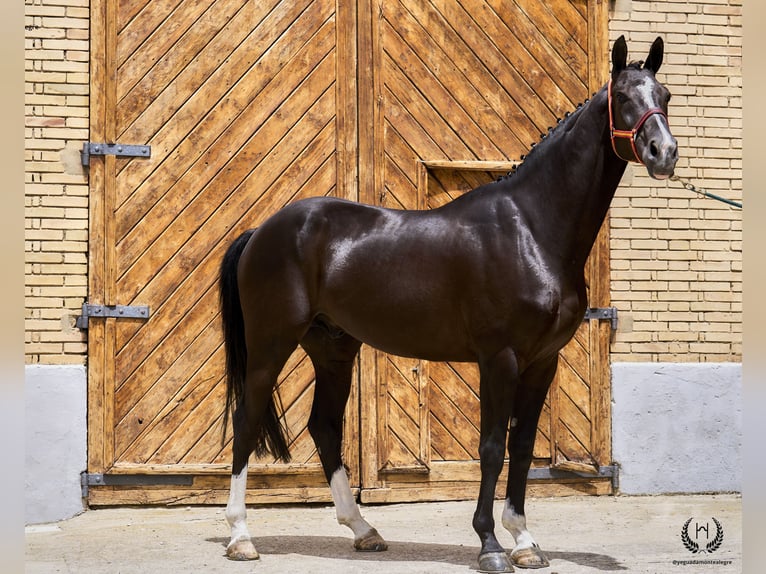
(632, 134)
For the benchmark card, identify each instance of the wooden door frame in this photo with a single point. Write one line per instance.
(370, 176)
(102, 182)
(599, 263)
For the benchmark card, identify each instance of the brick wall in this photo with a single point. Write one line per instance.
(56, 187)
(676, 257)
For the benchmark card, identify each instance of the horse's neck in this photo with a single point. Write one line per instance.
(565, 194)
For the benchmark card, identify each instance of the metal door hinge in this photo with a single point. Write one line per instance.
(121, 150)
(117, 311)
(602, 314)
(611, 471)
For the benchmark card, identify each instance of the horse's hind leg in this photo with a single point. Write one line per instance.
(254, 413)
(240, 546)
(332, 354)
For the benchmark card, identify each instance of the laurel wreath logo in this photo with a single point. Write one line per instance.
(694, 547)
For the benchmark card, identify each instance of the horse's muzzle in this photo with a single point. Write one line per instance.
(661, 157)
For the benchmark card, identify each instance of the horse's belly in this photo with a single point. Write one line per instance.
(405, 332)
(423, 349)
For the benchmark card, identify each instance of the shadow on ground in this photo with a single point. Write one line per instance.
(459, 555)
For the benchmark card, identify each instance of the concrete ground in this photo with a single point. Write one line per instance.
(580, 534)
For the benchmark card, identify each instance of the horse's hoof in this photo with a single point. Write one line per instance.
(529, 558)
(370, 542)
(494, 562)
(242, 550)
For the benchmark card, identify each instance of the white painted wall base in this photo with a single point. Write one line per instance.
(677, 427)
(56, 441)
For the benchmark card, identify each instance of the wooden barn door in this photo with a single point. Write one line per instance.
(248, 106)
(460, 89)
(242, 105)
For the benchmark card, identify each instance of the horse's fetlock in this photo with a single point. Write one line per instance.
(482, 523)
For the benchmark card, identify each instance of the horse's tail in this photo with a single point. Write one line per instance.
(270, 435)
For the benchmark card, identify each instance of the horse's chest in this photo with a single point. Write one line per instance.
(536, 322)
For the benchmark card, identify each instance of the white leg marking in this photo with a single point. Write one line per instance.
(346, 508)
(516, 524)
(236, 512)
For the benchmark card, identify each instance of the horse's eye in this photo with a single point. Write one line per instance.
(621, 98)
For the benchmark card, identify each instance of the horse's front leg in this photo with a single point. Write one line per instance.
(528, 404)
(499, 378)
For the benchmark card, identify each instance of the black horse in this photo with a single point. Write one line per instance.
(494, 277)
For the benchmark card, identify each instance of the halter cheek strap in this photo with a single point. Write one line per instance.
(631, 135)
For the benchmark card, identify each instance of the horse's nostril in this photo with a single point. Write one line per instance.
(653, 149)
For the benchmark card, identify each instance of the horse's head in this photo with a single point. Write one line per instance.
(638, 107)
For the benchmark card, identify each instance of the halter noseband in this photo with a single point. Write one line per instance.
(629, 134)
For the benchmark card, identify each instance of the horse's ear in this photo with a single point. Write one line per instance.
(619, 56)
(654, 60)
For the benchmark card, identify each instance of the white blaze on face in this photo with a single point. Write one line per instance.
(646, 93)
